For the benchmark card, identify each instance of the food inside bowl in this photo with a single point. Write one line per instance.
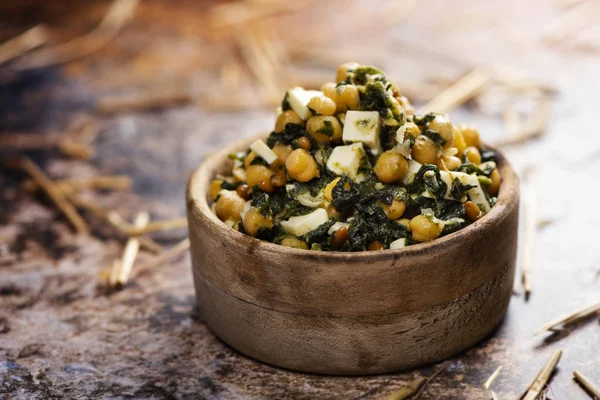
(352, 168)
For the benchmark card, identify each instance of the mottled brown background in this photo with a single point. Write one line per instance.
(62, 338)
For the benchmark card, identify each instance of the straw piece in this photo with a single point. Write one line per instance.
(543, 376)
(429, 380)
(494, 396)
(28, 40)
(131, 250)
(55, 194)
(114, 272)
(162, 258)
(239, 103)
(118, 14)
(569, 23)
(587, 384)
(156, 226)
(570, 318)
(143, 101)
(492, 378)
(114, 220)
(113, 182)
(407, 391)
(239, 13)
(459, 93)
(256, 59)
(531, 129)
(71, 148)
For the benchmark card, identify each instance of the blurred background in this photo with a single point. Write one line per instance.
(108, 106)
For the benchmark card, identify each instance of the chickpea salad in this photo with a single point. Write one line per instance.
(352, 168)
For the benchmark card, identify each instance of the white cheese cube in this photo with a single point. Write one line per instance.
(303, 224)
(476, 194)
(299, 98)
(398, 244)
(363, 126)
(261, 148)
(346, 159)
(413, 168)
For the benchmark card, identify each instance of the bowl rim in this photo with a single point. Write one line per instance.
(507, 199)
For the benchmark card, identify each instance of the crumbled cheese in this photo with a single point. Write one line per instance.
(299, 98)
(245, 209)
(238, 172)
(346, 160)
(260, 148)
(363, 126)
(305, 198)
(301, 225)
(398, 244)
(413, 168)
(337, 226)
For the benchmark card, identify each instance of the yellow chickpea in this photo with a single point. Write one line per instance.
(348, 96)
(495, 186)
(329, 188)
(301, 166)
(459, 141)
(328, 90)
(473, 155)
(249, 158)
(322, 105)
(471, 136)
(411, 129)
(287, 117)
(472, 211)
(390, 167)
(324, 129)
(441, 124)
(449, 163)
(282, 151)
(254, 221)
(375, 246)
(215, 188)
(394, 210)
(257, 173)
(295, 243)
(229, 206)
(342, 71)
(423, 229)
(424, 150)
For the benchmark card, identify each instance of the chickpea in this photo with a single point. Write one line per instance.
(394, 210)
(423, 229)
(405, 222)
(322, 105)
(287, 117)
(328, 90)
(495, 186)
(214, 188)
(329, 188)
(279, 179)
(249, 158)
(257, 173)
(471, 136)
(472, 210)
(339, 237)
(301, 166)
(295, 243)
(459, 141)
(449, 163)
(411, 129)
(304, 142)
(266, 186)
(324, 129)
(282, 151)
(390, 167)
(348, 96)
(441, 124)
(375, 246)
(254, 221)
(229, 206)
(342, 71)
(243, 191)
(473, 155)
(424, 150)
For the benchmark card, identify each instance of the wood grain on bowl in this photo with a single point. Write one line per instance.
(352, 313)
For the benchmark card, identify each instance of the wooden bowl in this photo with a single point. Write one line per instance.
(352, 313)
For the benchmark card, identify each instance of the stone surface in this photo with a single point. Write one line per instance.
(62, 337)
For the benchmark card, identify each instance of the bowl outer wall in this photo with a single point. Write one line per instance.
(387, 282)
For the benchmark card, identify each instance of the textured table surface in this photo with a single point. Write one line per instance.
(61, 337)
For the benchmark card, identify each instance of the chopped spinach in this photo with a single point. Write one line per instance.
(433, 135)
(285, 104)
